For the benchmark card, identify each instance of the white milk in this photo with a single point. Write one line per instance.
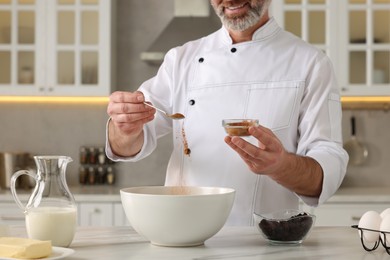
(52, 223)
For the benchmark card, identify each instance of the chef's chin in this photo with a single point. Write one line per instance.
(240, 23)
(257, 10)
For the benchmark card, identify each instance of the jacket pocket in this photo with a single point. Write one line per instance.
(274, 103)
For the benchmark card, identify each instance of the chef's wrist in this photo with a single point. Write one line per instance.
(123, 144)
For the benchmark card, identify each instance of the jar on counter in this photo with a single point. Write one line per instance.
(101, 156)
(110, 175)
(83, 175)
(92, 156)
(101, 175)
(83, 155)
(91, 175)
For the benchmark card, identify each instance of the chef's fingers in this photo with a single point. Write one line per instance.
(126, 97)
(267, 139)
(134, 118)
(130, 123)
(245, 149)
(128, 108)
(254, 157)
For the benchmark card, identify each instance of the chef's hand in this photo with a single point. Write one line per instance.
(128, 115)
(266, 158)
(300, 174)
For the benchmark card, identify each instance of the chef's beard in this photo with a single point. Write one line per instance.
(241, 23)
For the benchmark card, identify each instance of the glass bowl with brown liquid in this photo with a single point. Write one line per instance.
(239, 127)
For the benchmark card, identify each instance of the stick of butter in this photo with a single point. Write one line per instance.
(24, 248)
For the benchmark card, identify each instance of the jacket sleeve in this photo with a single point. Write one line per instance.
(157, 90)
(320, 128)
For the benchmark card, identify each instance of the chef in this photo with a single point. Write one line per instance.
(250, 68)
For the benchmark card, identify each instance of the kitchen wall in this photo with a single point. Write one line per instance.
(372, 130)
(63, 128)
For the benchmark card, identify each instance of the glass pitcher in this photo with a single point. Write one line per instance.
(51, 211)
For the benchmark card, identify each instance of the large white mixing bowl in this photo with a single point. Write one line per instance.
(177, 216)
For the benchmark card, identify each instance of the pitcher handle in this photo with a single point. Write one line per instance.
(14, 177)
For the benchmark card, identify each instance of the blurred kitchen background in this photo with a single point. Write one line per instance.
(62, 128)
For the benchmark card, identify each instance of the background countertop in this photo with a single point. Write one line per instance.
(112, 194)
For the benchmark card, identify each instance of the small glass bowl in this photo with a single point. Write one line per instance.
(285, 227)
(238, 127)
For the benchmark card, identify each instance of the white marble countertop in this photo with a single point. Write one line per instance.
(238, 243)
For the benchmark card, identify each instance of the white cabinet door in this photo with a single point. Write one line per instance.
(120, 216)
(56, 47)
(341, 214)
(78, 47)
(11, 214)
(354, 33)
(19, 44)
(96, 214)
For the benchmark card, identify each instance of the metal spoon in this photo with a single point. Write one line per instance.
(176, 116)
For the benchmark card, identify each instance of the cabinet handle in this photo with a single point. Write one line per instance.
(354, 218)
(51, 89)
(97, 210)
(41, 89)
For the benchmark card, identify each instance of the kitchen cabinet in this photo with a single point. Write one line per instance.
(91, 213)
(56, 48)
(120, 218)
(96, 206)
(101, 214)
(343, 214)
(96, 214)
(10, 214)
(355, 34)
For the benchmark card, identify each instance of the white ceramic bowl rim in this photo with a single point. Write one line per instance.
(176, 191)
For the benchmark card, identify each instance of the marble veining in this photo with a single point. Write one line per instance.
(238, 243)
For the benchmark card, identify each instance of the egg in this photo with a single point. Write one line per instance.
(385, 212)
(370, 220)
(385, 227)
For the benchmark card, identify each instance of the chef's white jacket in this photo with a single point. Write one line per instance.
(285, 83)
